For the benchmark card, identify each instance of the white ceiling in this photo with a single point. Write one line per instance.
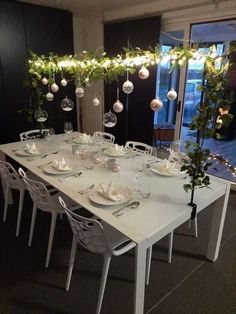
(89, 7)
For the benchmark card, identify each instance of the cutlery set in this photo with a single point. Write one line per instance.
(123, 209)
(77, 174)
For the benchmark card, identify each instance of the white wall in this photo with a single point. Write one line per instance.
(176, 15)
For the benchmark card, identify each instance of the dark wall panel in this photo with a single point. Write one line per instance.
(13, 71)
(25, 28)
(136, 122)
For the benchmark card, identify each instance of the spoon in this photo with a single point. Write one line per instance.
(121, 211)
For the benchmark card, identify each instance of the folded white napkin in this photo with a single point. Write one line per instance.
(117, 150)
(84, 138)
(110, 192)
(167, 166)
(61, 165)
(31, 149)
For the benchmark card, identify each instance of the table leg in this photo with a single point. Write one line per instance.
(140, 267)
(217, 225)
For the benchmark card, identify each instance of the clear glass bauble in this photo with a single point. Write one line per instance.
(118, 106)
(156, 104)
(128, 87)
(109, 119)
(67, 104)
(41, 115)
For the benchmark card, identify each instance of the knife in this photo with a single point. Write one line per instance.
(77, 174)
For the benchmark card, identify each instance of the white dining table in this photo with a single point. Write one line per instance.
(165, 210)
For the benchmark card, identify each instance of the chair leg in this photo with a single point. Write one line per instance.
(33, 218)
(170, 235)
(106, 264)
(51, 236)
(148, 264)
(195, 227)
(71, 262)
(6, 196)
(61, 216)
(21, 200)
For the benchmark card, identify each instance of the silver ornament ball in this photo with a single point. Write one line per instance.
(118, 106)
(143, 73)
(63, 82)
(156, 104)
(128, 87)
(44, 81)
(54, 88)
(172, 95)
(79, 92)
(96, 102)
(49, 96)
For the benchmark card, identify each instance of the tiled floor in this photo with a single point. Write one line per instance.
(190, 284)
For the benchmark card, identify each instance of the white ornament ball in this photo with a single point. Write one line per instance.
(127, 87)
(79, 92)
(63, 82)
(118, 106)
(96, 102)
(143, 73)
(172, 95)
(54, 88)
(49, 96)
(156, 104)
(44, 81)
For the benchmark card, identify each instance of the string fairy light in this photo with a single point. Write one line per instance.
(224, 162)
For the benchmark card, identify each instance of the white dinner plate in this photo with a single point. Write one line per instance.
(111, 152)
(166, 173)
(97, 198)
(23, 153)
(50, 169)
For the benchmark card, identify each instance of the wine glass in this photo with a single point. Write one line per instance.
(68, 129)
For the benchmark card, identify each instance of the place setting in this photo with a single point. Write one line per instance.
(116, 151)
(110, 194)
(29, 150)
(166, 168)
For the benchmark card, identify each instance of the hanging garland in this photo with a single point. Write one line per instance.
(88, 67)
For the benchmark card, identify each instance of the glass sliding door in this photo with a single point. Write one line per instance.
(220, 34)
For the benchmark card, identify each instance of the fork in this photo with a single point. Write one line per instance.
(86, 190)
(77, 174)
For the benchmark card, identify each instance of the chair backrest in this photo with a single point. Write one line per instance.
(108, 137)
(11, 177)
(28, 135)
(88, 232)
(139, 148)
(40, 194)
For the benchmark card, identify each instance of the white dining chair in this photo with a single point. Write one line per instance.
(31, 134)
(139, 148)
(105, 136)
(46, 200)
(12, 180)
(98, 237)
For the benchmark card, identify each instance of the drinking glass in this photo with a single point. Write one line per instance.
(68, 129)
(50, 138)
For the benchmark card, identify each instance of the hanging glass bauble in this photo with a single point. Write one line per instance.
(143, 73)
(79, 92)
(127, 87)
(44, 81)
(49, 96)
(67, 104)
(54, 88)
(156, 104)
(40, 115)
(87, 82)
(118, 106)
(63, 82)
(109, 119)
(172, 95)
(96, 102)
